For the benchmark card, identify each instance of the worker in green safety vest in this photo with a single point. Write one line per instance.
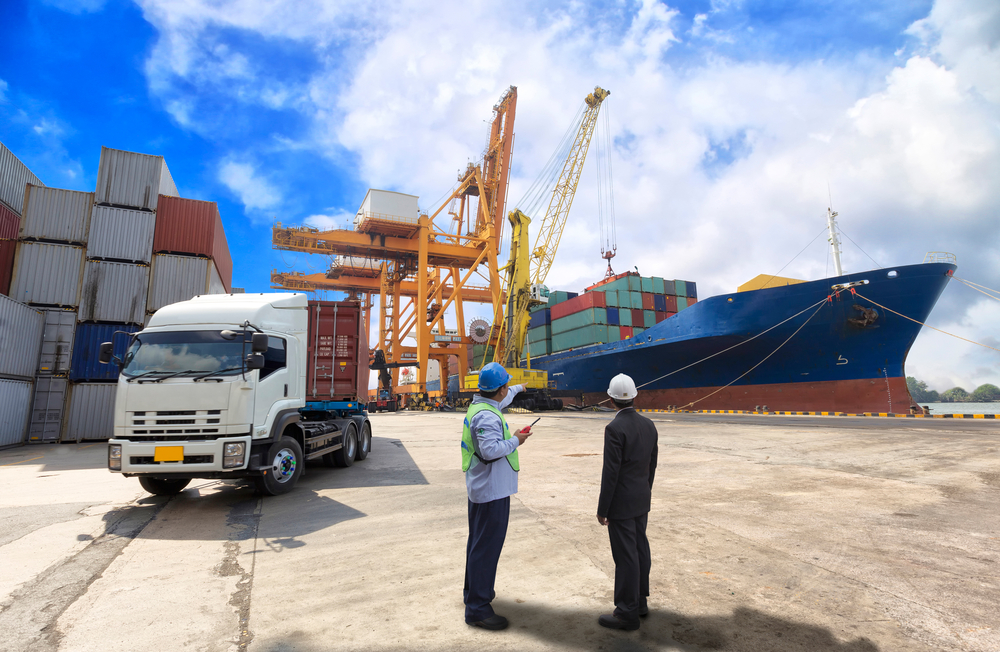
(489, 460)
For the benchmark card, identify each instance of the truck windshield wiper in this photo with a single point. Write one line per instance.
(217, 372)
(174, 374)
(145, 374)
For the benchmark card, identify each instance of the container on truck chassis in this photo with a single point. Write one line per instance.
(241, 385)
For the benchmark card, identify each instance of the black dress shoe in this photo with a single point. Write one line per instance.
(612, 621)
(643, 611)
(494, 622)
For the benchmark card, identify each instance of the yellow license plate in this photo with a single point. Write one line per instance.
(169, 454)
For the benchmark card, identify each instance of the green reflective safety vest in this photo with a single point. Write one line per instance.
(467, 448)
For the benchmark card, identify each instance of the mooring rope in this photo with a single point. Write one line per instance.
(978, 288)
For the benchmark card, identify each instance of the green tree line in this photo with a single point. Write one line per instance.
(921, 394)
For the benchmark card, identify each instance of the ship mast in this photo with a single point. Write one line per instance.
(831, 222)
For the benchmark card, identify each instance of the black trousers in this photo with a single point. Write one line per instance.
(487, 531)
(630, 550)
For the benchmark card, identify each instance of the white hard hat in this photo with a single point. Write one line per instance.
(622, 388)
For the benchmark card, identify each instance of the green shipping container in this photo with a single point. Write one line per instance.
(647, 284)
(637, 331)
(635, 284)
(539, 333)
(593, 334)
(543, 347)
(649, 317)
(625, 317)
(681, 287)
(580, 319)
(636, 300)
(614, 333)
(669, 288)
(541, 306)
(611, 298)
(682, 303)
(558, 296)
(658, 285)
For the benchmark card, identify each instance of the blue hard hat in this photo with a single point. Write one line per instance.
(492, 377)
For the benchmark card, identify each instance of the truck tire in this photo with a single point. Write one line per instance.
(284, 468)
(344, 456)
(364, 441)
(162, 486)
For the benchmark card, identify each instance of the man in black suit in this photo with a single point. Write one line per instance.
(626, 491)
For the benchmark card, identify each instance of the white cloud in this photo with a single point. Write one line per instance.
(3, 92)
(254, 191)
(723, 167)
(77, 6)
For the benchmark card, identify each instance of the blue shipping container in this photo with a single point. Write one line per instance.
(85, 364)
(540, 318)
(692, 289)
(659, 302)
(612, 316)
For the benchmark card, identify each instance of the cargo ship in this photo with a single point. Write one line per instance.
(826, 345)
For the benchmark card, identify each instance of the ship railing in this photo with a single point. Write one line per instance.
(940, 257)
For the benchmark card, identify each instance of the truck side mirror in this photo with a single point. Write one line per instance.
(255, 361)
(258, 343)
(107, 351)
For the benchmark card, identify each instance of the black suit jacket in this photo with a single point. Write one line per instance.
(629, 465)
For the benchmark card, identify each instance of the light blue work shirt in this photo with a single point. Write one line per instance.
(487, 482)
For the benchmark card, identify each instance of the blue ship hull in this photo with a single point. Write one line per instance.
(833, 356)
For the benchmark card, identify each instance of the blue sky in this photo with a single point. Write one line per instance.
(734, 122)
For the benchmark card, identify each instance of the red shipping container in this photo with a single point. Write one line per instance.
(337, 363)
(692, 301)
(660, 316)
(576, 304)
(671, 303)
(638, 319)
(10, 223)
(647, 301)
(625, 332)
(7, 251)
(194, 228)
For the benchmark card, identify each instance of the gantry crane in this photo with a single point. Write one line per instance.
(420, 261)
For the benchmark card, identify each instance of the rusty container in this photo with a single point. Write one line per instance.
(337, 359)
(191, 227)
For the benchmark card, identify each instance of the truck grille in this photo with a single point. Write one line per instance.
(188, 459)
(168, 424)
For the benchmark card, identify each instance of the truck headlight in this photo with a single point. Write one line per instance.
(115, 457)
(233, 454)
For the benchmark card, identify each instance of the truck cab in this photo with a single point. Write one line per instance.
(215, 387)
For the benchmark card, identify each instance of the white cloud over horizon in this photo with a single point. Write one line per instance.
(723, 166)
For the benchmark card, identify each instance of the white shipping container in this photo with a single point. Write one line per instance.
(90, 411)
(47, 274)
(47, 409)
(121, 234)
(56, 214)
(114, 292)
(57, 342)
(15, 406)
(132, 180)
(14, 176)
(386, 205)
(179, 278)
(20, 339)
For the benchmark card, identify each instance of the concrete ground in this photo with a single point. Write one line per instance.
(770, 534)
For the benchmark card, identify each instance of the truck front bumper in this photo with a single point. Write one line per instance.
(170, 458)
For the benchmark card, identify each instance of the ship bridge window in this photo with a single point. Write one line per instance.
(892, 274)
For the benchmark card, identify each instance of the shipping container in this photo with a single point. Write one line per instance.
(637, 301)
(56, 215)
(121, 234)
(669, 287)
(658, 285)
(579, 320)
(14, 177)
(132, 180)
(47, 409)
(85, 364)
(57, 342)
(670, 304)
(540, 318)
(577, 304)
(559, 296)
(660, 316)
(541, 347)
(192, 227)
(614, 333)
(10, 223)
(624, 316)
(20, 339)
(611, 298)
(613, 316)
(8, 250)
(47, 274)
(648, 318)
(337, 361)
(539, 333)
(387, 213)
(692, 289)
(681, 287)
(637, 331)
(647, 301)
(635, 283)
(179, 278)
(625, 332)
(114, 292)
(15, 406)
(647, 284)
(682, 303)
(638, 318)
(691, 301)
(90, 412)
(659, 302)
(586, 336)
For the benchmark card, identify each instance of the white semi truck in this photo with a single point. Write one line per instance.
(241, 385)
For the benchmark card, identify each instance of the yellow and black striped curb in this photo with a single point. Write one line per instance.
(832, 414)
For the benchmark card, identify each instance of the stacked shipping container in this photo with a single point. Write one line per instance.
(615, 309)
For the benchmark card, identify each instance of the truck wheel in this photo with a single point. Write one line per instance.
(284, 468)
(344, 456)
(162, 486)
(365, 441)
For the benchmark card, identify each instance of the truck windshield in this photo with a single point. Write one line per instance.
(185, 351)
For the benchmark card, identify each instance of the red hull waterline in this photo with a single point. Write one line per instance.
(852, 396)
